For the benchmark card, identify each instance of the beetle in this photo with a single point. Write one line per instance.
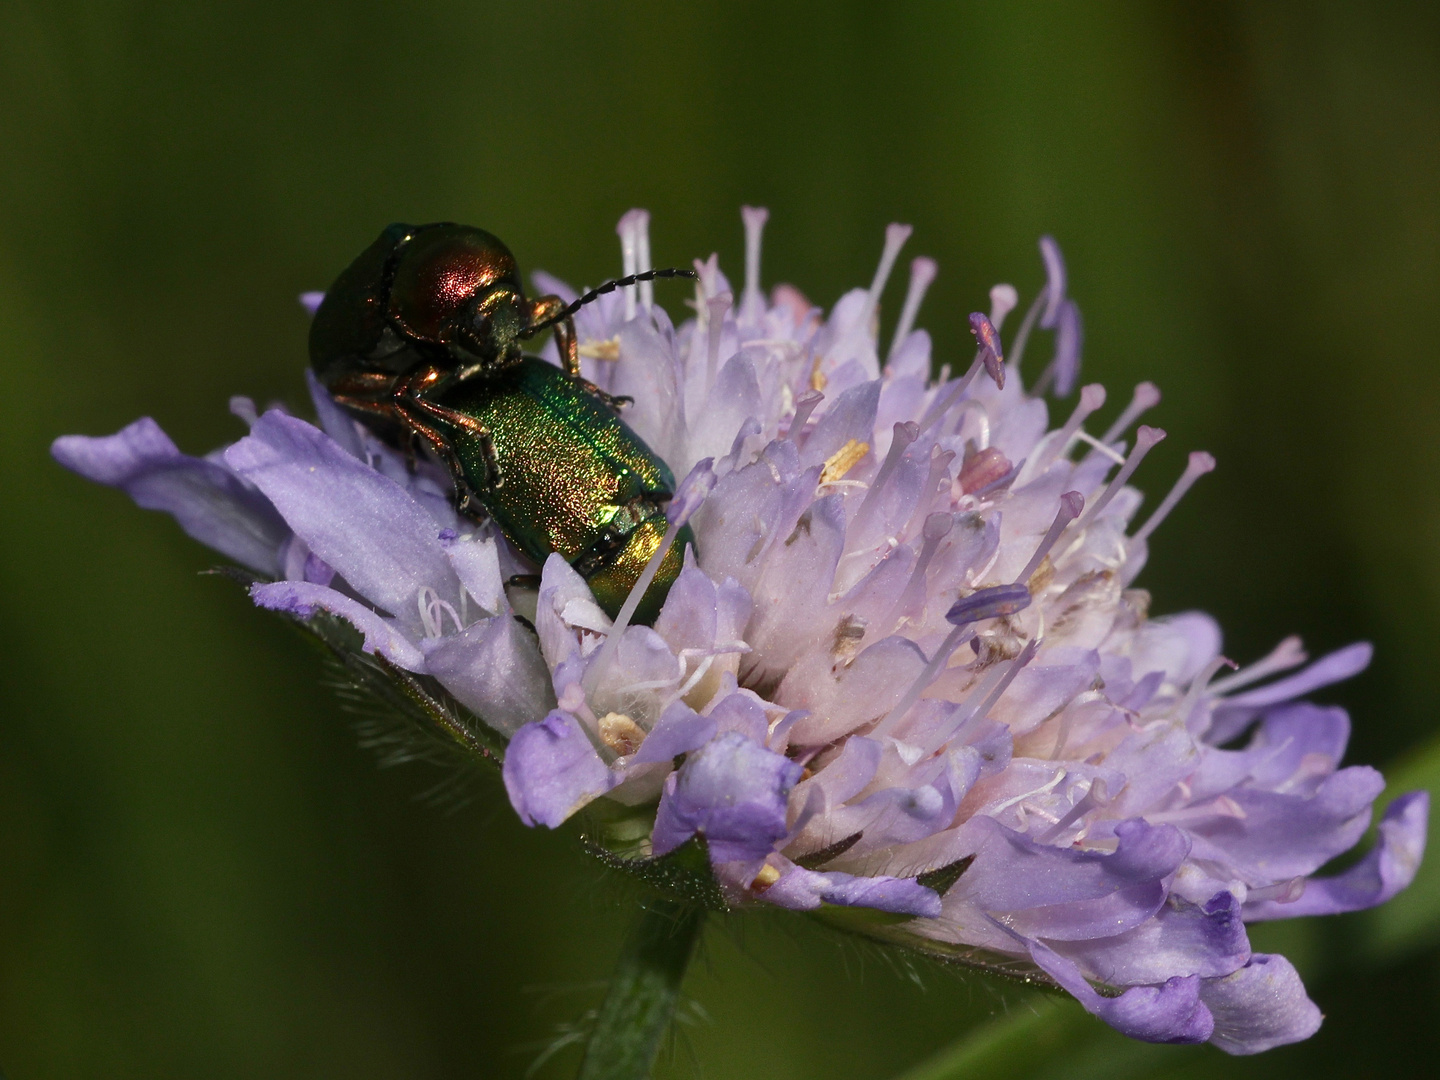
(421, 339)
(578, 480)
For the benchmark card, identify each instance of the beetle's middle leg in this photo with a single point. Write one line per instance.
(494, 477)
(409, 400)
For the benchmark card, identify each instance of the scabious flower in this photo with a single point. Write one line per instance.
(904, 670)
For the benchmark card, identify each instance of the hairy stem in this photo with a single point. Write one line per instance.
(643, 992)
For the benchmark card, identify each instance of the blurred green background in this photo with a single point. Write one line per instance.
(202, 875)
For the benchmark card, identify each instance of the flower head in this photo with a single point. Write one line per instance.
(904, 668)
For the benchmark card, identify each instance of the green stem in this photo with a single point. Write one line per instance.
(643, 992)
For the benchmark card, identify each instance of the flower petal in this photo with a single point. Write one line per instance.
(302, 598)
(1389, 867)
(211, 503)
(363, 524)
(552, 770)
(1261, 1006)
(733, 791)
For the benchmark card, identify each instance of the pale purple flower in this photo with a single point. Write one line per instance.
(905, 667)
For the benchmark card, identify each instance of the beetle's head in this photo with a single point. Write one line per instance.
(459, 288)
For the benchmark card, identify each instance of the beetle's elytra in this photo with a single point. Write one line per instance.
(421, 339)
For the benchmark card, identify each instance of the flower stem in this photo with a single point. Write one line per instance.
(643, 992)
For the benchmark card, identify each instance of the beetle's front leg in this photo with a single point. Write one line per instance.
(544, 308)
(569, 346)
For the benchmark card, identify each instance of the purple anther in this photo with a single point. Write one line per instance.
(990, 352)
(1055, 281)
(1069, 338)
(310, 301)
(989, 603)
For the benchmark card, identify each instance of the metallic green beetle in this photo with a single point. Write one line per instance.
(576, 480)
(420, 338)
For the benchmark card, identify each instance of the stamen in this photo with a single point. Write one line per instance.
(842, 461)
(689, 496)
(990, 603)
(905, 434)
(1026, 655)
(1092, 397)
(993, 364)
(1071, 503)
(754, 218)
(941, 405)
(981, 469)
(1017, 347)
(804, 405)
(1145, 438)
(1147, 396)
(1200, 464)
(990, 352)
(939, 471)
(922, 273)
(717, 306)
(1198, 686)
(1101, 448)
(1288, 654)
(311, 301)
(895, 237)
(1055, 281)
(1098, 795)
(621, 734)
(1003, 299)
(936, 528)
(1064, 366)
(433, 611)
(629, 253)
(642, 257)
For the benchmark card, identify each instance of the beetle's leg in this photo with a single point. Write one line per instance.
(409, 404)
(494, 478)
(545, 307)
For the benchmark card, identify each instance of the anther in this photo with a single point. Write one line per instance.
(988, 339)
(1071, 503)
(1200, 463)
(754, 218)
(922, 273)
(1145, 438)
(1003, 299)
(1147, 396)
(984, 604)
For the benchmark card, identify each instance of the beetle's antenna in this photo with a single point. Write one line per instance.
(595, 294)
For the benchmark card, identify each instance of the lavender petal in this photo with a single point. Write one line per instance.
(210, 502)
